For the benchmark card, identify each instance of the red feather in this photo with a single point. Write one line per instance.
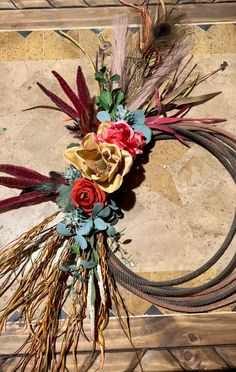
(59, 102)
(22, 172)
(23, 200)
(82, 89)
(18, 183)
(70, 94)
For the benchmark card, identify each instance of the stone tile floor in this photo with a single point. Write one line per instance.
(186, 201)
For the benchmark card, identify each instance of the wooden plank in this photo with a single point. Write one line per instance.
(199, 359)
(103, 17)
(6, 4)
(152, 360)
(228, 353)
(22, 4)
(151, 332)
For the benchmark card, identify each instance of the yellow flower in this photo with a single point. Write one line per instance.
(104, 163)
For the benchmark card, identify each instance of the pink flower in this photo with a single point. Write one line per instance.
(122, 135)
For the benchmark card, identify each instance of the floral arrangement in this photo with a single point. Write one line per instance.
(143, 97)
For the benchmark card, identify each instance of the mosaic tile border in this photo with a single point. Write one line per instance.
(45, 45)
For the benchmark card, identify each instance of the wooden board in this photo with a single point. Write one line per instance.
(163, 343)
(67, 18)
(153, 332)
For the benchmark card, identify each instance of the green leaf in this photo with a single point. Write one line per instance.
(115, 77)
(85, 227)
(62, 230)
(81, 241)
(64, 196)
(119, 97)
(73, 267)
(105, 100)
(72, 145)
(146, 131)
(96, 209)
(75, 248)
(111, 231)
(100, 224)
(113, 205)
(139, 117)
(105, 212)
(103, 116)
(88, 264)
(64, 269)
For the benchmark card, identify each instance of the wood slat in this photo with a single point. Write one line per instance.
(103, 17)
(116, 362)
(6, 4)
(228, 353)
(152, 333)
(22, 4)
(199, 359)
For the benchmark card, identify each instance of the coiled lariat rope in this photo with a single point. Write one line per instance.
(217, 292)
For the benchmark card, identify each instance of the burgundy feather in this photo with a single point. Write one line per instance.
(22, 172)
(70, 94)
(18, 183)
(59, 102)
(82, 89)
(23, 200)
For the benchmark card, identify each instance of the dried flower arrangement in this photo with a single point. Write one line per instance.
(143, 97)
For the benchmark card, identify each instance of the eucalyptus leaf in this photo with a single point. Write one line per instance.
(73, 267)
(64, 269)
(81, 241)
(103, 116)
(105, 212)
(85, 227)
(100, 224)
(111, 231)
(146, 131)
(96, 209)
(73, 145)
(139, 117)
(64, 196)
(88, 264)
(63, 230)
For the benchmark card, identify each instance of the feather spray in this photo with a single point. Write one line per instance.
(120, 43)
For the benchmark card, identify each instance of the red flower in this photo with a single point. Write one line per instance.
(85, 194)
(122, 135)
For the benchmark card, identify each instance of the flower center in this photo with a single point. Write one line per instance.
(101, 168)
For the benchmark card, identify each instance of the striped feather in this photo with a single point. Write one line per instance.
(24, 200)
(70, 94)
(18, 183)
(82, 89)
(22, 172)
(59, 102)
